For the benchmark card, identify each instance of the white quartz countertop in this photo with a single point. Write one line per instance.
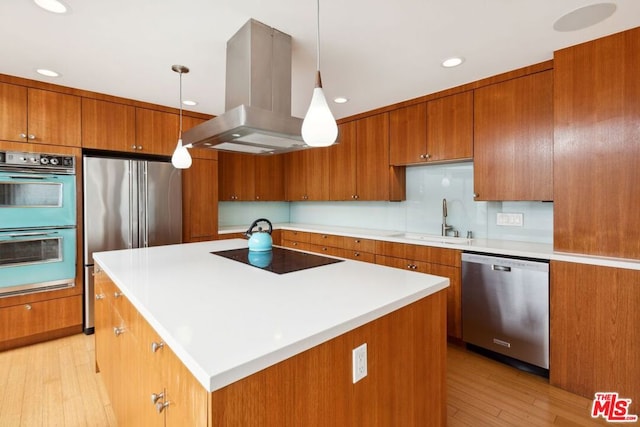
(489, 246)
(226, 320)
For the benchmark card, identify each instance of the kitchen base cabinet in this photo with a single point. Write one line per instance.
(36, 321)
(429, 260)
(595, 338)
(146, 383)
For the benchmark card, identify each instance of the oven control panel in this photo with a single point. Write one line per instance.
(38, 161)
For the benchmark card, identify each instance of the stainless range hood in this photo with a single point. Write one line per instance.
(258, 97)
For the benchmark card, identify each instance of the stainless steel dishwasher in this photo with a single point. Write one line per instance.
(505, 306)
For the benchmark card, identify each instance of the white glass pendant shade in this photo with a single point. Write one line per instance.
(319, 128)
(181, 159)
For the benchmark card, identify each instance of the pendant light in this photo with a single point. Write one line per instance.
(319, 127)
(181, 159)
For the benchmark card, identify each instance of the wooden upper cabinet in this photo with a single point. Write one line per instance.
(269, 177)
(372, 164)
(237, 176)
(597, 147)
(108, 125)
(408, 134)
(307, 174)
(13, 112)
(156, 132)
(434, 131)
(450, 128)
(342, 164)
(39, 116)
(513, 139)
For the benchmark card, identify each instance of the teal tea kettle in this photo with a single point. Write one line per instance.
(259, 241)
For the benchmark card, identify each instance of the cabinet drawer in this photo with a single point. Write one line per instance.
(357, 244)
(29, 319)
(360, 256)
(303, 246)
(407, 264)
(419, 253)
(327, 250)
(298, 236)
(326, 240)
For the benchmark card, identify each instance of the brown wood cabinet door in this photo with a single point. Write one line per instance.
(186, 397)
(237, 176)
(200, 201)
(156, 132)
(317, 173)
(450, 127)
(373, 158)
(597, 147)
(408, 135)
(513, 139)
(108, 125)
(295, 182)
(269, 178)
(454, 296)
(54, 118)
(594, 338)
(342, 164)
(13, 112)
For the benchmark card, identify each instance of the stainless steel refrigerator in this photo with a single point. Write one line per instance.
(127, 204)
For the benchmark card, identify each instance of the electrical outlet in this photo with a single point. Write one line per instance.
(510, 219)
(359, 362)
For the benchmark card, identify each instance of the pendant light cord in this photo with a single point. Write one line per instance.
(180, 137)
(318, 34)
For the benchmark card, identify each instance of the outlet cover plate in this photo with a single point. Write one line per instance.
(359, 362)
(510, 219)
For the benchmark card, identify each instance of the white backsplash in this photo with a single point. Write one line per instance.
(421, 212)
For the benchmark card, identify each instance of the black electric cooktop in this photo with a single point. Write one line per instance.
(277, 260)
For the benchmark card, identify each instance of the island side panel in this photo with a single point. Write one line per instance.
(405, 385)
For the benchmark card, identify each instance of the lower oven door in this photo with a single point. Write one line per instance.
(36, 260)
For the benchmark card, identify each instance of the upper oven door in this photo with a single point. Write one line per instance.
(37, 200)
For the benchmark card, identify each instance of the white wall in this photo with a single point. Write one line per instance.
(421, 212)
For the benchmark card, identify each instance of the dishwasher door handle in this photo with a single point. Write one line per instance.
(500, 268)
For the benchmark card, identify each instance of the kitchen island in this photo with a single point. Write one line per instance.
(245, 346)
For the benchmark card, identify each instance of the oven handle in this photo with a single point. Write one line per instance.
(35, 233)
(32, 177)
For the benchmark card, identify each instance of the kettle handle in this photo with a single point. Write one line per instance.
(249, 232)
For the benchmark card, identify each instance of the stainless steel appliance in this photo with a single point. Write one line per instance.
(505, 306)
(37, 222)
(127, 204)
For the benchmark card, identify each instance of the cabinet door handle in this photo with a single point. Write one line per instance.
(155, 346)
(23, 135)
(356, 254)
(117, 294)
(357, 241)
(99, 296)
(139, 147)
(156, 396)
(133, 146)
(28, 306)
(160, 406)
(32, 136)
(427, 156)
(118, 331)
(476, 195)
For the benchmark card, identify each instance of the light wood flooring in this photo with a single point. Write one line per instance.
(54, 384)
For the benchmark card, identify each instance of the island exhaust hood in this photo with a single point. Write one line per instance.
(258, 97)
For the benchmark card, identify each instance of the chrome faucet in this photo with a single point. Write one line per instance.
(445, 227)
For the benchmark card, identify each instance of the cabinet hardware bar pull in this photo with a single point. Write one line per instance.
(118, 331)
(155, 346)
(161, 406)
(156, 396)
(99, 296)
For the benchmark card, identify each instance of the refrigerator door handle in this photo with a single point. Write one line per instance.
(144, 206)
(131, 203)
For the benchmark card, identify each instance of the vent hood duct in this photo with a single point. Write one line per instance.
(258, 97)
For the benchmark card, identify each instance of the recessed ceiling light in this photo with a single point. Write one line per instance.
(584, 17)
(454, 61)
(55, 6)
(340, 100)
(48, 73)
(189, 102)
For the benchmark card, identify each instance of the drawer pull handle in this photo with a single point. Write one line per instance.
(28, 306)
(357, 240)
(118, 331)
(117, 294)
(155, 346)
(160, 406)
(357, 254)
(156, 396)
(99, 296)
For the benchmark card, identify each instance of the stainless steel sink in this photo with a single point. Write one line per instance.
(432, 238)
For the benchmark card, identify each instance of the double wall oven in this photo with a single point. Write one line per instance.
(37, 222)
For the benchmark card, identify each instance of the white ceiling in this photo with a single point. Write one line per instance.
(373, 52)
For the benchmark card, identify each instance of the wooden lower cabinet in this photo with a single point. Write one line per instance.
(339, 246)
(30, 320)
(134, 370)
(595, 338)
